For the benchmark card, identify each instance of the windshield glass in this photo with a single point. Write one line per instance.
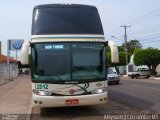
(51, 61)
(109, 71)
(54, 61)
(66, 20)
(88, 61)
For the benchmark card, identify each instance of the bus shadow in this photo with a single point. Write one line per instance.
(71, 111)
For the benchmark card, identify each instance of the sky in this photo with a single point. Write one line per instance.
(142, 15)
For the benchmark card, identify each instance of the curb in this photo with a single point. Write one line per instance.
(29, 112)
(4, 82)
(154, 78)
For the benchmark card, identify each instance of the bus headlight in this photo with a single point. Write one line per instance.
(42, 92)
(100, 90)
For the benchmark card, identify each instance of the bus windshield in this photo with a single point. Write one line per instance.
(54, 61)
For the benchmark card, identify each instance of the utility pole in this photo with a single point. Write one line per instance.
(126, 47)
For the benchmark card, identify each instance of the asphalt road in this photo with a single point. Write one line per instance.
(130, 97)
(97, 112)
(142, 94)
(15, 102)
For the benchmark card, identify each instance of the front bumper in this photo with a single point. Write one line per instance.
(112, 80)
(60, 101)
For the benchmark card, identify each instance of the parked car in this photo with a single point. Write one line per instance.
(145, 72)
(112, 77)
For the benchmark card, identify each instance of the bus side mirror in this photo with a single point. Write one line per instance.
(114, 52)
(25, 53)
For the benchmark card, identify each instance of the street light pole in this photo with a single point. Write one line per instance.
(8, 58)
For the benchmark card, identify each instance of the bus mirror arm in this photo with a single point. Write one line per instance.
(106, 43)
(25, 53)
(114, 52)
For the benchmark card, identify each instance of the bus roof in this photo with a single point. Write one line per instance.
(64, 6)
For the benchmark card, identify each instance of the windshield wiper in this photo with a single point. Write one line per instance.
(97, 76)
(90, 76)
(50, 75)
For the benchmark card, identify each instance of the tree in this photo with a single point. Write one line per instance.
(132, 45)
(149, 57)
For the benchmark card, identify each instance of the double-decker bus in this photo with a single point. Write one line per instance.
(68, 56)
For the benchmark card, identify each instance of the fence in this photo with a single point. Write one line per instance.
(5, 70)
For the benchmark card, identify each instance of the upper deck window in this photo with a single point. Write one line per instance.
(66, 20)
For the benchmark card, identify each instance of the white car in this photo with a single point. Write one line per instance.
(140, 72)
(112, 77)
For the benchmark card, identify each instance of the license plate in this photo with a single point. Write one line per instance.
(72, 102)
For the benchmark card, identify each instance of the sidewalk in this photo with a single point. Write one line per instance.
(151, 78)
(148, 80)
(15, 97)
(3, 82)
(154, 78)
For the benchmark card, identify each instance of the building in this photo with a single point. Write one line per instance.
(3, 59)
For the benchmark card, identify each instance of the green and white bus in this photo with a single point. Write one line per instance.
(68, 56)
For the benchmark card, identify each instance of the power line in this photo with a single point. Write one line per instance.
(145, 19)
(153, 41)
(148, 36)
(152, 29)
(142, 18)
(153, 36)
(149, 15)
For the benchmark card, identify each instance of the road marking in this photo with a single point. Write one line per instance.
(147, 87)
(29, 112)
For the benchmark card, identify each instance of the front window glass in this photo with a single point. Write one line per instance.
(109, 71)
(52, 61)
(68, 61)
(88, 61)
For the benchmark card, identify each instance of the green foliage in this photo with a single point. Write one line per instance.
(122, 59)
(108, 60)
(121, 49)
(149, 57)
(132, 45)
